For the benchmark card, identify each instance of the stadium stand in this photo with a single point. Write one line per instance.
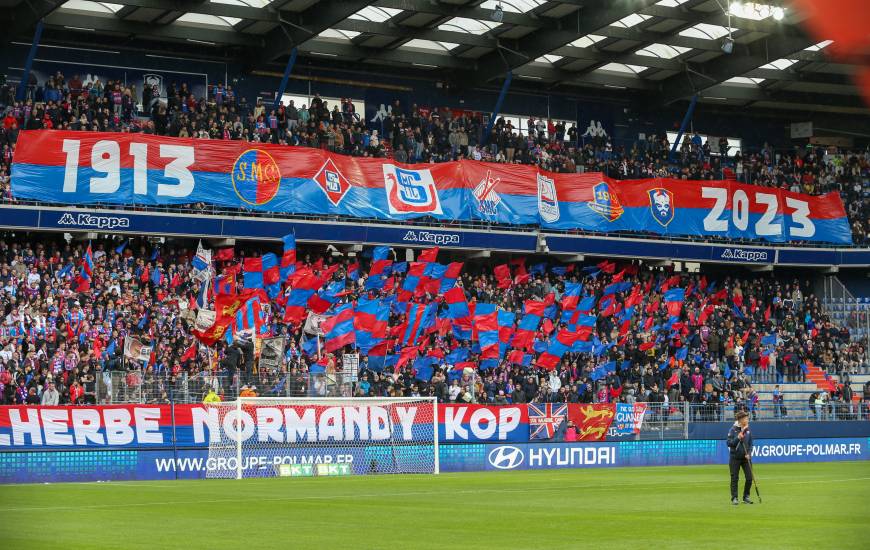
(544, 331)
(423, 136)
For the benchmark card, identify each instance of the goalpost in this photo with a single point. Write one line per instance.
(301, 437)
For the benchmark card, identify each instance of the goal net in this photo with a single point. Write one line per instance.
(297, 436)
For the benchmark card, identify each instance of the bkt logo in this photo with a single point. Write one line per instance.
(99, 222)
(506, 457)
(411, 191)
(433, 238)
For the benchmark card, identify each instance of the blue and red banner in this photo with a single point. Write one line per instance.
(93, 167)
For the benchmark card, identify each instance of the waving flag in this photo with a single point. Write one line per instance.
(456, 304)
(524, 336)
(585, 327)
(615, 288)
(448, 281)
(225, 284)
(571, 297)
(64, 272)
(418, 318)
(587, 304)
(563, 342)
(428, 255)
(603, 370)
(202, 297)
(86, 271)
(201, 263)
(372, 316)
(304, 285)
(674, 299)
(458, 355)
(431, 280)
(288, 257)
(380, 253)
(412, 280)
(503, 275)
(322, 301)
(225, 254)
(338, 329)
(486, 326)
(353, 271)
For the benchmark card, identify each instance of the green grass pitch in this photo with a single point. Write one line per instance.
(813, 505)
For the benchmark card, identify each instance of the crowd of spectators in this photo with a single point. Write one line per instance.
(59, 345)
(421, 135)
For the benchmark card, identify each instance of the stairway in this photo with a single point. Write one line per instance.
(818, 377)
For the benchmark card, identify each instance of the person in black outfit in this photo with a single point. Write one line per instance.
(740, 443)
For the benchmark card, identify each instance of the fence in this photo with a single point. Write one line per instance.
(136, 387)
(847, 310)
(662, 421)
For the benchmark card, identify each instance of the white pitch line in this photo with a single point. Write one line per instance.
(609, 487)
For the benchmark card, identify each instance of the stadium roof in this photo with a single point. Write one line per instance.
(664, 50)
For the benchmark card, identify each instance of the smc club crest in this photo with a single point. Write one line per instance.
(256, 177)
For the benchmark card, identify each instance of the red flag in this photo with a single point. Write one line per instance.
(533, 307)
(406, 355)
(607, 267)
(503, 275)
(428, 255)
(646, 345)
(674, 379)
(176, 280)
(547, 326)
(190, 353)
(516, 356)
(767, 314)
(224, 254)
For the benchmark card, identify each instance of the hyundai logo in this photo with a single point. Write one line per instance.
(506, 457)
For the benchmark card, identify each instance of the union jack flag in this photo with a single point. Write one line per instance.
(545, 419)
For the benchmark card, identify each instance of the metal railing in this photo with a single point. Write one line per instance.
(856, 314)
(138, 387)
(662, 421)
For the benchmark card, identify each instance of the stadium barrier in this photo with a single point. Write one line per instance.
(151, 220)
(39, 466)
(162, 441)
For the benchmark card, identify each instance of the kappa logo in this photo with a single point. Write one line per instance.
(506, 457)
(431, 238)
(605, 203)
(595, 130)
(100, 222)
(548, 201)
(411, 191)
(744, 255)
(332, 182)
(661, 204)
(487, 199)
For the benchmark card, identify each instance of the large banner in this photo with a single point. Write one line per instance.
(92, 167)
(144, 426)
(166, 463)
